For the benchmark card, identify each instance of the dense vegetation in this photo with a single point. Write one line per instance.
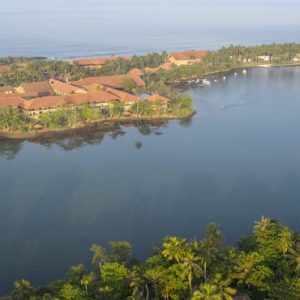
(12, 119)
(265, 265)
(39, 69)
(229, 58)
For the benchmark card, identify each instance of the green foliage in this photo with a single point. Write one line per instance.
(181, 269)
(71, 292)
(128, 85)
(99, 257)
(113, 278)
(11, 119)
(121, 251)
(141, 108)
(22, 290)
(117, 108)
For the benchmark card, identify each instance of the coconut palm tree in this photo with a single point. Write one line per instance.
(293, 257)
(174, 249)
(285, 241)
(207, 292)
(192, 267)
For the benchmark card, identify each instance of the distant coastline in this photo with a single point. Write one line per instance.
(40, 96)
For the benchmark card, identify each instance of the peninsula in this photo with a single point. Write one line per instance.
(38, 95)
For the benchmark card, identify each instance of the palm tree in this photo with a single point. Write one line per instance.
(285, 241)
(174, 249)
(207, 292)
(263, 224)
(293, 257)
(99, 257)
(86, 280)
(192, 268)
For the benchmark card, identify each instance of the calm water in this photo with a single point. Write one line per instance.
(142, 183)
(76, 28)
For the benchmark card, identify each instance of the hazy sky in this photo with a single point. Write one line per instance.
(62, 21)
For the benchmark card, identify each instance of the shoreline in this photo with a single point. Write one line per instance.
(107, 124)
(212, 75)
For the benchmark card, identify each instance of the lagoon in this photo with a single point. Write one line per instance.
(139, 183)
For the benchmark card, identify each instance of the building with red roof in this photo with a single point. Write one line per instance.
(187, 57)
(10, 100)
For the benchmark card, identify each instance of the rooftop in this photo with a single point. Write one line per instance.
(80, 99)
(63, 87)
(42, 88)
(189, 55)
(113, 81)
(12, 100)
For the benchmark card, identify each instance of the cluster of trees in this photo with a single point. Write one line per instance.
(33, 70)
(38, 69)
(122, 66)
(265, 265)
(11, 119)
(278, 53)
(228, 58)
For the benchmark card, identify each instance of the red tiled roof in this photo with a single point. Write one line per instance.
(29, 95)
(12, 100)
(135, 72)
(79, 99)
(6, 89)
(42, 88)
(123, 97)
(98, 61)
(157, 97)
(113, 81)
(136, 77)
(94, 88)
(62, 87)
(4, 69)
(91, 61)
(189, 55)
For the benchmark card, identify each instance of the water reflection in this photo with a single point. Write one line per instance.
(10, 148)
(138, 145)
(228, 168)
(81, 138)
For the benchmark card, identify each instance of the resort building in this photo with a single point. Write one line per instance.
(6, 89)
(266, 58)
(113, 81)
(10, 100)
(186, 57)
(61, 88)
(95, 63)
(297, 58)
(40, 89)
(4, 68)
(127, 99)
(157, 98)
(51, 103)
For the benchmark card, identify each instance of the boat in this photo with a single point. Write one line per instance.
(206, 82)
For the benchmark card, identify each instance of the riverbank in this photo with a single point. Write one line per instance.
(107, 124)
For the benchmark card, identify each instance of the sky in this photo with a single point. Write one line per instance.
(46, 23)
